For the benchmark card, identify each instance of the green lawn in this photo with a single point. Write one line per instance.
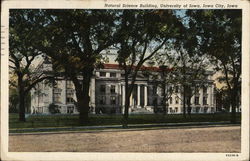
(35, 121)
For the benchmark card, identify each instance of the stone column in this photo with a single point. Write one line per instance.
(64, 92)
(209, 96)
(212, 96)
(201, 98)
(131, 100)
(145, 95)
(123, 95)
(192, 100)
(92, 93)
(119, 94)
(138, 95)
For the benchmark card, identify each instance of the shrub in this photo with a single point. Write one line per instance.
(54, 108)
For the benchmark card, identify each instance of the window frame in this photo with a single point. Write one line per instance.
(103, 74)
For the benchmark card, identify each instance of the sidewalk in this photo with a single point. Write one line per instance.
(118, 127)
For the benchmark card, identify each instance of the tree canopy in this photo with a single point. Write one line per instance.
(218, 32)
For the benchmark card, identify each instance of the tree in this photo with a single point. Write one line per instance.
(74, 40)
(165, 76)
(219, 35)
(54, 108)
(142, 34)
(222, 100)
(191, 69)
(23, 55)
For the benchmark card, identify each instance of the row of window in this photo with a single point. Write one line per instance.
(102, 100)
(104, 74)
(196, 100)
(176, 90)
(69, 98)
(103, 88)
(194, 110)
(173, 110)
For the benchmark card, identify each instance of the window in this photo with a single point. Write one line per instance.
(112, 89)
(155, 102)
(176, 100)
(70, 94)
(170, 100)
(170, 89)
(102, 100)
(103, 89)
(205, 109)
(102, 74)
(56, 84)
(69, 84)
(196, 90)
(112, 100)
(70, 109)
(154, 89)
(176, 89)
(204, 90)
(46, 87)
(204, 100)
(70, 100)
(196, 100)
(176, 109)
(197, 109)
(113, 75)
(57, 97)
(162, 102)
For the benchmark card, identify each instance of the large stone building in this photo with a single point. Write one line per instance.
(107, 94)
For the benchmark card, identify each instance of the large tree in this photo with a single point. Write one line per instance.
(192, 76)
(142, 34)
(219, 33)
(165, 75)
(23, 55)
(74, 41)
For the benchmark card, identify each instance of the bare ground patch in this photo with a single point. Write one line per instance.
(212, 139)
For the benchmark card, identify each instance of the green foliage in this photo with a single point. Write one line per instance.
(24, 29)
(71, 40)
(141, 35)
(219, 35)
(13, 100)
(53, 109)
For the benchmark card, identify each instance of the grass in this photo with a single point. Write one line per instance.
(38, 121)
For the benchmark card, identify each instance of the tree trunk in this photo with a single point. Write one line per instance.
(164, 99)
(82, 94)
(127, 102)
(233, 104)
(21, 106)
(184, 101)
(83, 106)
(189, 105)
(125, 117)
(21, 95)
(85, 98)
(128, 92)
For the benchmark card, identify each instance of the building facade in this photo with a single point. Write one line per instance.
(107, 95)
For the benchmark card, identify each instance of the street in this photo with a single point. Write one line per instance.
(208, 139)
